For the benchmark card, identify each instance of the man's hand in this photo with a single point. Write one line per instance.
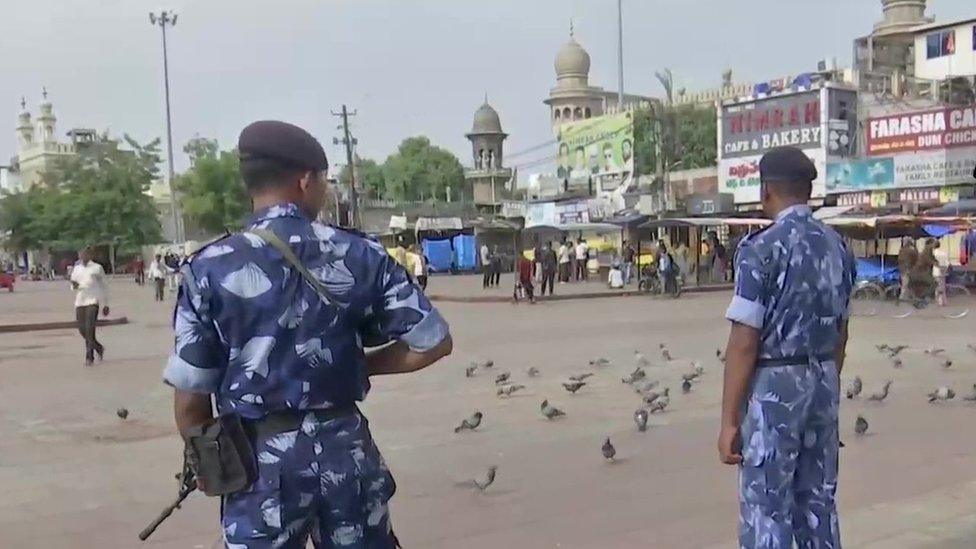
(730, 445)
(105, 310)
(74, 285)
(397, 358)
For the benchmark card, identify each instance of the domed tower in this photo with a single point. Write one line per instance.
(25, 130)
(900, 16)
(573, 98)
(46, 120)
(486, 138)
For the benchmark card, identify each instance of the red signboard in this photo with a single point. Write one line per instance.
(943, 128)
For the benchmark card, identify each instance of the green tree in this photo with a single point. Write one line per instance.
(99, 197)
(370, 180)
(20, 219)
(419, 171)
(212, 193)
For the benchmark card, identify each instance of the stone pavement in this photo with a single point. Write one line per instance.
(75, 476)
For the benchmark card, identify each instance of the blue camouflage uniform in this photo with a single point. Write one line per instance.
(253, 332)
(793, 284)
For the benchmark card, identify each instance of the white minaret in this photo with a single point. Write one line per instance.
(25, 130)
(46, 120)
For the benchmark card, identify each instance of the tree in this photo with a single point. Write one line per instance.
(370, 180)
(212, 193)
(419, 170)
(19, 220)
(98, 197)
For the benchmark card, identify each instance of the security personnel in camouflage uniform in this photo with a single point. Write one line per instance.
(779, 416)
(290, 361)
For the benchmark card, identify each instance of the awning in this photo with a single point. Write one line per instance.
(959, 207)
(705, 222)
(831, 211)
(582, 227)
(439, 224)
(627, 218)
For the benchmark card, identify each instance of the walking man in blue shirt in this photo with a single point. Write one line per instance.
(287, 356)
(785, 352)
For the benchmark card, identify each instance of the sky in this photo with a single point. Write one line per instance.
(407, 67)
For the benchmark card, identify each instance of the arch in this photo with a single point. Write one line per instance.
(567, 113)
(587, 113)
(556, 113)
(577, 113)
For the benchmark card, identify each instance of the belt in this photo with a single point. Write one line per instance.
(795, 360)
(282, 421)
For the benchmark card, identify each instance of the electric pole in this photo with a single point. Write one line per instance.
(163, 20)
(350, 142)
(620, 55)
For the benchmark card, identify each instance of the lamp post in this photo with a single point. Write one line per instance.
(162, 20)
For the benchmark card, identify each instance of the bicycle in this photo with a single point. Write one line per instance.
(650, 282)
(871, 296)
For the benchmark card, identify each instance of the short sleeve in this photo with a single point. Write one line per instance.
(197, 363)
(400, 310)
(747, 305)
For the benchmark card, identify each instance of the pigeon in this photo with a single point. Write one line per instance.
(699, 370)
(551, 412)
(947, 363)
(489, 479)
(640, 360)
(488, 363)
(686, 386)
(471, 423)
(502, 378)
(942, 393)
(971, 397)
(580, 377)
(659, 405)
(934, 351)
(608, 450)
(574, 386)
(720, 355)
(641, 387)
(483, 364)
(860, 426)
(600, 362)
(896, 362)
(883, 348)
(883, 394)
(507, 390)
(690, 377)
(855, 389)
(650, 398)
(640, 418)
(637, 375)
(971, 347)
(532, 371)
(894, 350)
(665, 353)
(470, 371)
(123, 413)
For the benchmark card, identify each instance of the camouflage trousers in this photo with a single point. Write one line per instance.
(788, 477)
(325, 480)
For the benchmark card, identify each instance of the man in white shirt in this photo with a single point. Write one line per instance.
(157, 273)
(488, 275)
(88, 281)
(563, 255)
(582, 254)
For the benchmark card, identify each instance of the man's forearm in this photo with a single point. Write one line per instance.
(191, 410)
(840, 353)
(397, 358)
(740, 363)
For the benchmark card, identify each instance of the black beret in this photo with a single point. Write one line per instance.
(281, 141)
(786, 165)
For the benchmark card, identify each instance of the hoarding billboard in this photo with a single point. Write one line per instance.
(942, 128)
(740, 176)
(927, 168)
(597, 146)
(752, 128)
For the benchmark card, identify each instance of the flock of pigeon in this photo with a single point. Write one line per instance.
(942, 393)
(653, 400)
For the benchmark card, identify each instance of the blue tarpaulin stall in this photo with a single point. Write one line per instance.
(464, 248)
(439, 254)
(873, 269)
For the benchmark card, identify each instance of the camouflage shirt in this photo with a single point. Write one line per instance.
(793, 283)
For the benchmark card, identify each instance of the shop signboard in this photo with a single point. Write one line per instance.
(942, 128)
(740, 176)
(860, 174)
(752, 128)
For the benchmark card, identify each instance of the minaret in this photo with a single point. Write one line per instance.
(46, 120)
(25, 130)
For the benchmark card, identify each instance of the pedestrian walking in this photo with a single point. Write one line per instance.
(786, 350)
(628, 254)
(486, 275)
(496, 266)
(91, 293)
(139, 266)
(157, 274)
(907, 257)
(548, 264)
(297, 366)
(523, 279)
(420, 267)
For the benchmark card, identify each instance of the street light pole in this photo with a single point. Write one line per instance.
(163, 20)
(620, 55)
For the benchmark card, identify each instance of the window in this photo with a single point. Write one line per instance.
(940, 44)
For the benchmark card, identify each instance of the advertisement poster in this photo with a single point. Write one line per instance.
(935, 168)
(740, 177)
(750, 129)
(943, 128)
(859, 175)
(597, 146)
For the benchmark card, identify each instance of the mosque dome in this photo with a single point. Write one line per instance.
(486, 120)
(572, 61)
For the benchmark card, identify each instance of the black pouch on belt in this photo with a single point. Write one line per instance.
(222, 456)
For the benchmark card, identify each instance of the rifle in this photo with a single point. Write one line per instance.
(188, 484)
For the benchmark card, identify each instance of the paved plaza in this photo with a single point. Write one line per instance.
(75, 476)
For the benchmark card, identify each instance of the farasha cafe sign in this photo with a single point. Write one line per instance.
(936, 129)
